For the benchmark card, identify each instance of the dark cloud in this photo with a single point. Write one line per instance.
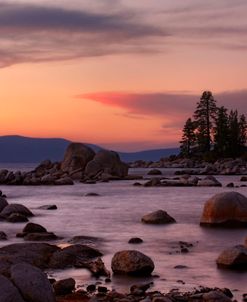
(31, 33)
(174, 107)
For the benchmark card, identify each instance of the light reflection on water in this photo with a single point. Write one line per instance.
(115, 217)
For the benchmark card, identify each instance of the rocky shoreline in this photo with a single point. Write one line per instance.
(26, 268)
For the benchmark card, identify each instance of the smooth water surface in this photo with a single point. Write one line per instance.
(115, 217)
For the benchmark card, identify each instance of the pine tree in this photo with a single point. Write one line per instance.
(188, 138)
(243, 131)
(204, 117)
(221, 132)
(234, 134)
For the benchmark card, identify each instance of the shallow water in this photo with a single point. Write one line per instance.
(115, 217)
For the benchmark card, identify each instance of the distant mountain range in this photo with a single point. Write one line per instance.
(19, 149)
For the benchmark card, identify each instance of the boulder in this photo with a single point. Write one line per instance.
(76, 158)
(135, 240)
(3, 236)
(37, 254)
(158, 217)
(8, 292)
(243, 178)
(72, 256)
(154, 172)
(132, 262)
(32, 283)
(225, 209)
(3, 203)
(34, 228)
(48, 180)
(154, 182)
(64, 181)
(215, 296)
(16, 217)
(48, 236)
(106, 162)
(64, 287)
(233, 258)
(209, 181)
(16, 208)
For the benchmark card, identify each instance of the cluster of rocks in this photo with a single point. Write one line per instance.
(80, 163)
(227, 166)
(183, 181)
(220, 167)
(13, 212)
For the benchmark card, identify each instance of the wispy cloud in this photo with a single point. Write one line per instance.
(68, 30)
(173, 107)
(31, 33)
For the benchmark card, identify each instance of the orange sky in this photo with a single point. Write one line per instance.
(122, 83)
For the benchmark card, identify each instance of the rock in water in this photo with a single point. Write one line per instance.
(106, 162)
(8, 292)
(32, 283)
(132, 263)
(76, 158)
(158, 217)
(16, 208)
(64, 287)
(225, 209)
(3, 203)
(233, 258)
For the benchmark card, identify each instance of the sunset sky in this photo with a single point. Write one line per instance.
(121, 74)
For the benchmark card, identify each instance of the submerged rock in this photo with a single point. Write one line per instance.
(158, 217)
(154, 172)
(225, 209)
(135, 240)
(132, 263)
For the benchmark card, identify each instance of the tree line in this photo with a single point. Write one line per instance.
(214, 132)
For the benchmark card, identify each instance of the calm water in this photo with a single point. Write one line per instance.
(115, 217)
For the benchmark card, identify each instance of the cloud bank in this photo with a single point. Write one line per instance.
(41, 32)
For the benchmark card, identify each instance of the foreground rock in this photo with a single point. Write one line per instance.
(46, 256)
(36, 232)
(32, 283)
(132, 263)
(226, 210)
(233, 258)
(64, 287)
(8, 292)
(3, 203)
(16, 209)
(158, 217)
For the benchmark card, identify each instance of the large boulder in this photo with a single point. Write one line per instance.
(72, 256)
(8, 292)
(132, 263)
(17, 209)
(37, 254)
(158, 217)
(225, 209)
(76, 158)
(32, 283)
(3, 203)
(233, 258)
(106, 162)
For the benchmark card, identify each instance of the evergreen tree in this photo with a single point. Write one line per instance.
(204, 117)
(188, 138)
(234, 134)
(243, 131)
(221, 132)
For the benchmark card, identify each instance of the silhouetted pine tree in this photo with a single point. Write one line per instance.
(204, 117)
(234, 134)
(221, 132)
(243, 131)
(188, 138)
